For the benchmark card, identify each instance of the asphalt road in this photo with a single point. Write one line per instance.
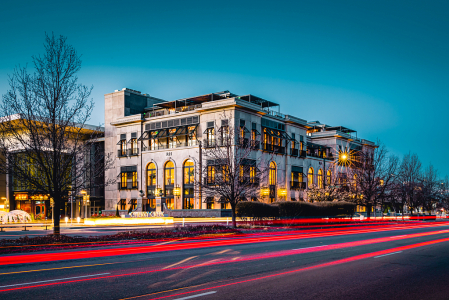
(377, 263)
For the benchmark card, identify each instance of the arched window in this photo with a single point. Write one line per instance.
(189, 180)
(320, 178)
(272, 181)
(169, 184)
(151, 187)
(310, 178)
(328, 177)
(272, 173)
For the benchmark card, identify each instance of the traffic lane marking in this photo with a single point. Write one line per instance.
(196, 296)
(53, 280)
(387, 254)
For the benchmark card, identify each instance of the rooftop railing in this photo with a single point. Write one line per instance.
(171, 111)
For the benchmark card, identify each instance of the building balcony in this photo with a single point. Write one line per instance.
(253, 181)
(255, 145)
(279, 150)
(133, 152)
(209, 143)
(294, 152)
(296, 185)
(127, 185)
(243, 142)
(303, 153)
(171, 111)
(173, 146)
(122, 153)
(268, 147)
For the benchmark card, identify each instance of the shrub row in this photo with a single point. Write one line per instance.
(293, 209)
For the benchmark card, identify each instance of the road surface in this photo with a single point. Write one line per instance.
(378, 262)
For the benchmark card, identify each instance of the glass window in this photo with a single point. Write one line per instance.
(151, 174)
(169, 173)
(189, 172)
(320, 178)
(329, 177)
(210, 174)
(123, 179)
(123, 147)
(272, 174)
(310, 178)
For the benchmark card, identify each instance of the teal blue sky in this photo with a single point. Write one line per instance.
(379, 67)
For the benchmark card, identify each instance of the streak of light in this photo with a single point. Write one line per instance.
(61, 268)
(178, 263)
(387, 254)
(52, 280)
(67, 255)
(337, 262)
(196, 296)
(262, 256)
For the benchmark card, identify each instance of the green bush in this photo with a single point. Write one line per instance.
(256, 210)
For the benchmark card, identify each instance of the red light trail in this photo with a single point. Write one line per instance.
(237, 240)
(278, 254)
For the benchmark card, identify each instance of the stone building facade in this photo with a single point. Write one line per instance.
(156, 145)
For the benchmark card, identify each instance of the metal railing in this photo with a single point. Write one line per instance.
(172, 146)
(165, 112)
(296, 185)
(294, 152)
(127, 185)
(121, 153)
(132, 152)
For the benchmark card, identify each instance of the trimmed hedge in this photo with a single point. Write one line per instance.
(293, 209)
(256, 210)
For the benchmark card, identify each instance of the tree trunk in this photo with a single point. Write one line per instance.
(56, 219)
(234, 223)
(368, 211)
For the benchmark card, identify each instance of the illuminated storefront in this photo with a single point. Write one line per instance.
(37, 205)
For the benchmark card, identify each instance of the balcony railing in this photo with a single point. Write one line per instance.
(255, 144)
(165, 112)
(209, 143)
(127, 185)
(268, 147)
(243, 142)
(173, 146)
(294, 152)
(302, 153)
(121, 153)
(279, 150)
(296, 185)
(255, 181)
(132, 152)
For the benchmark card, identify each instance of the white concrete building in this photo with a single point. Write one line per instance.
(156, 144)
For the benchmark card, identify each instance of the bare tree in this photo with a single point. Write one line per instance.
(232, 171)
(331, 188)
(410, 179)
(44, 138)
(373, 175)
(430, 192)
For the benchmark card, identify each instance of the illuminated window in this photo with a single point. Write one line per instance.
(210, 174)
(272, 174)
(328, 177)
(169, 173)
(320, 178)
(189, 172)
(310, 178)
(123, 179)
(151, 174)
(252, 174)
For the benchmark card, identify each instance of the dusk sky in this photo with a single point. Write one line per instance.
(378, 67)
